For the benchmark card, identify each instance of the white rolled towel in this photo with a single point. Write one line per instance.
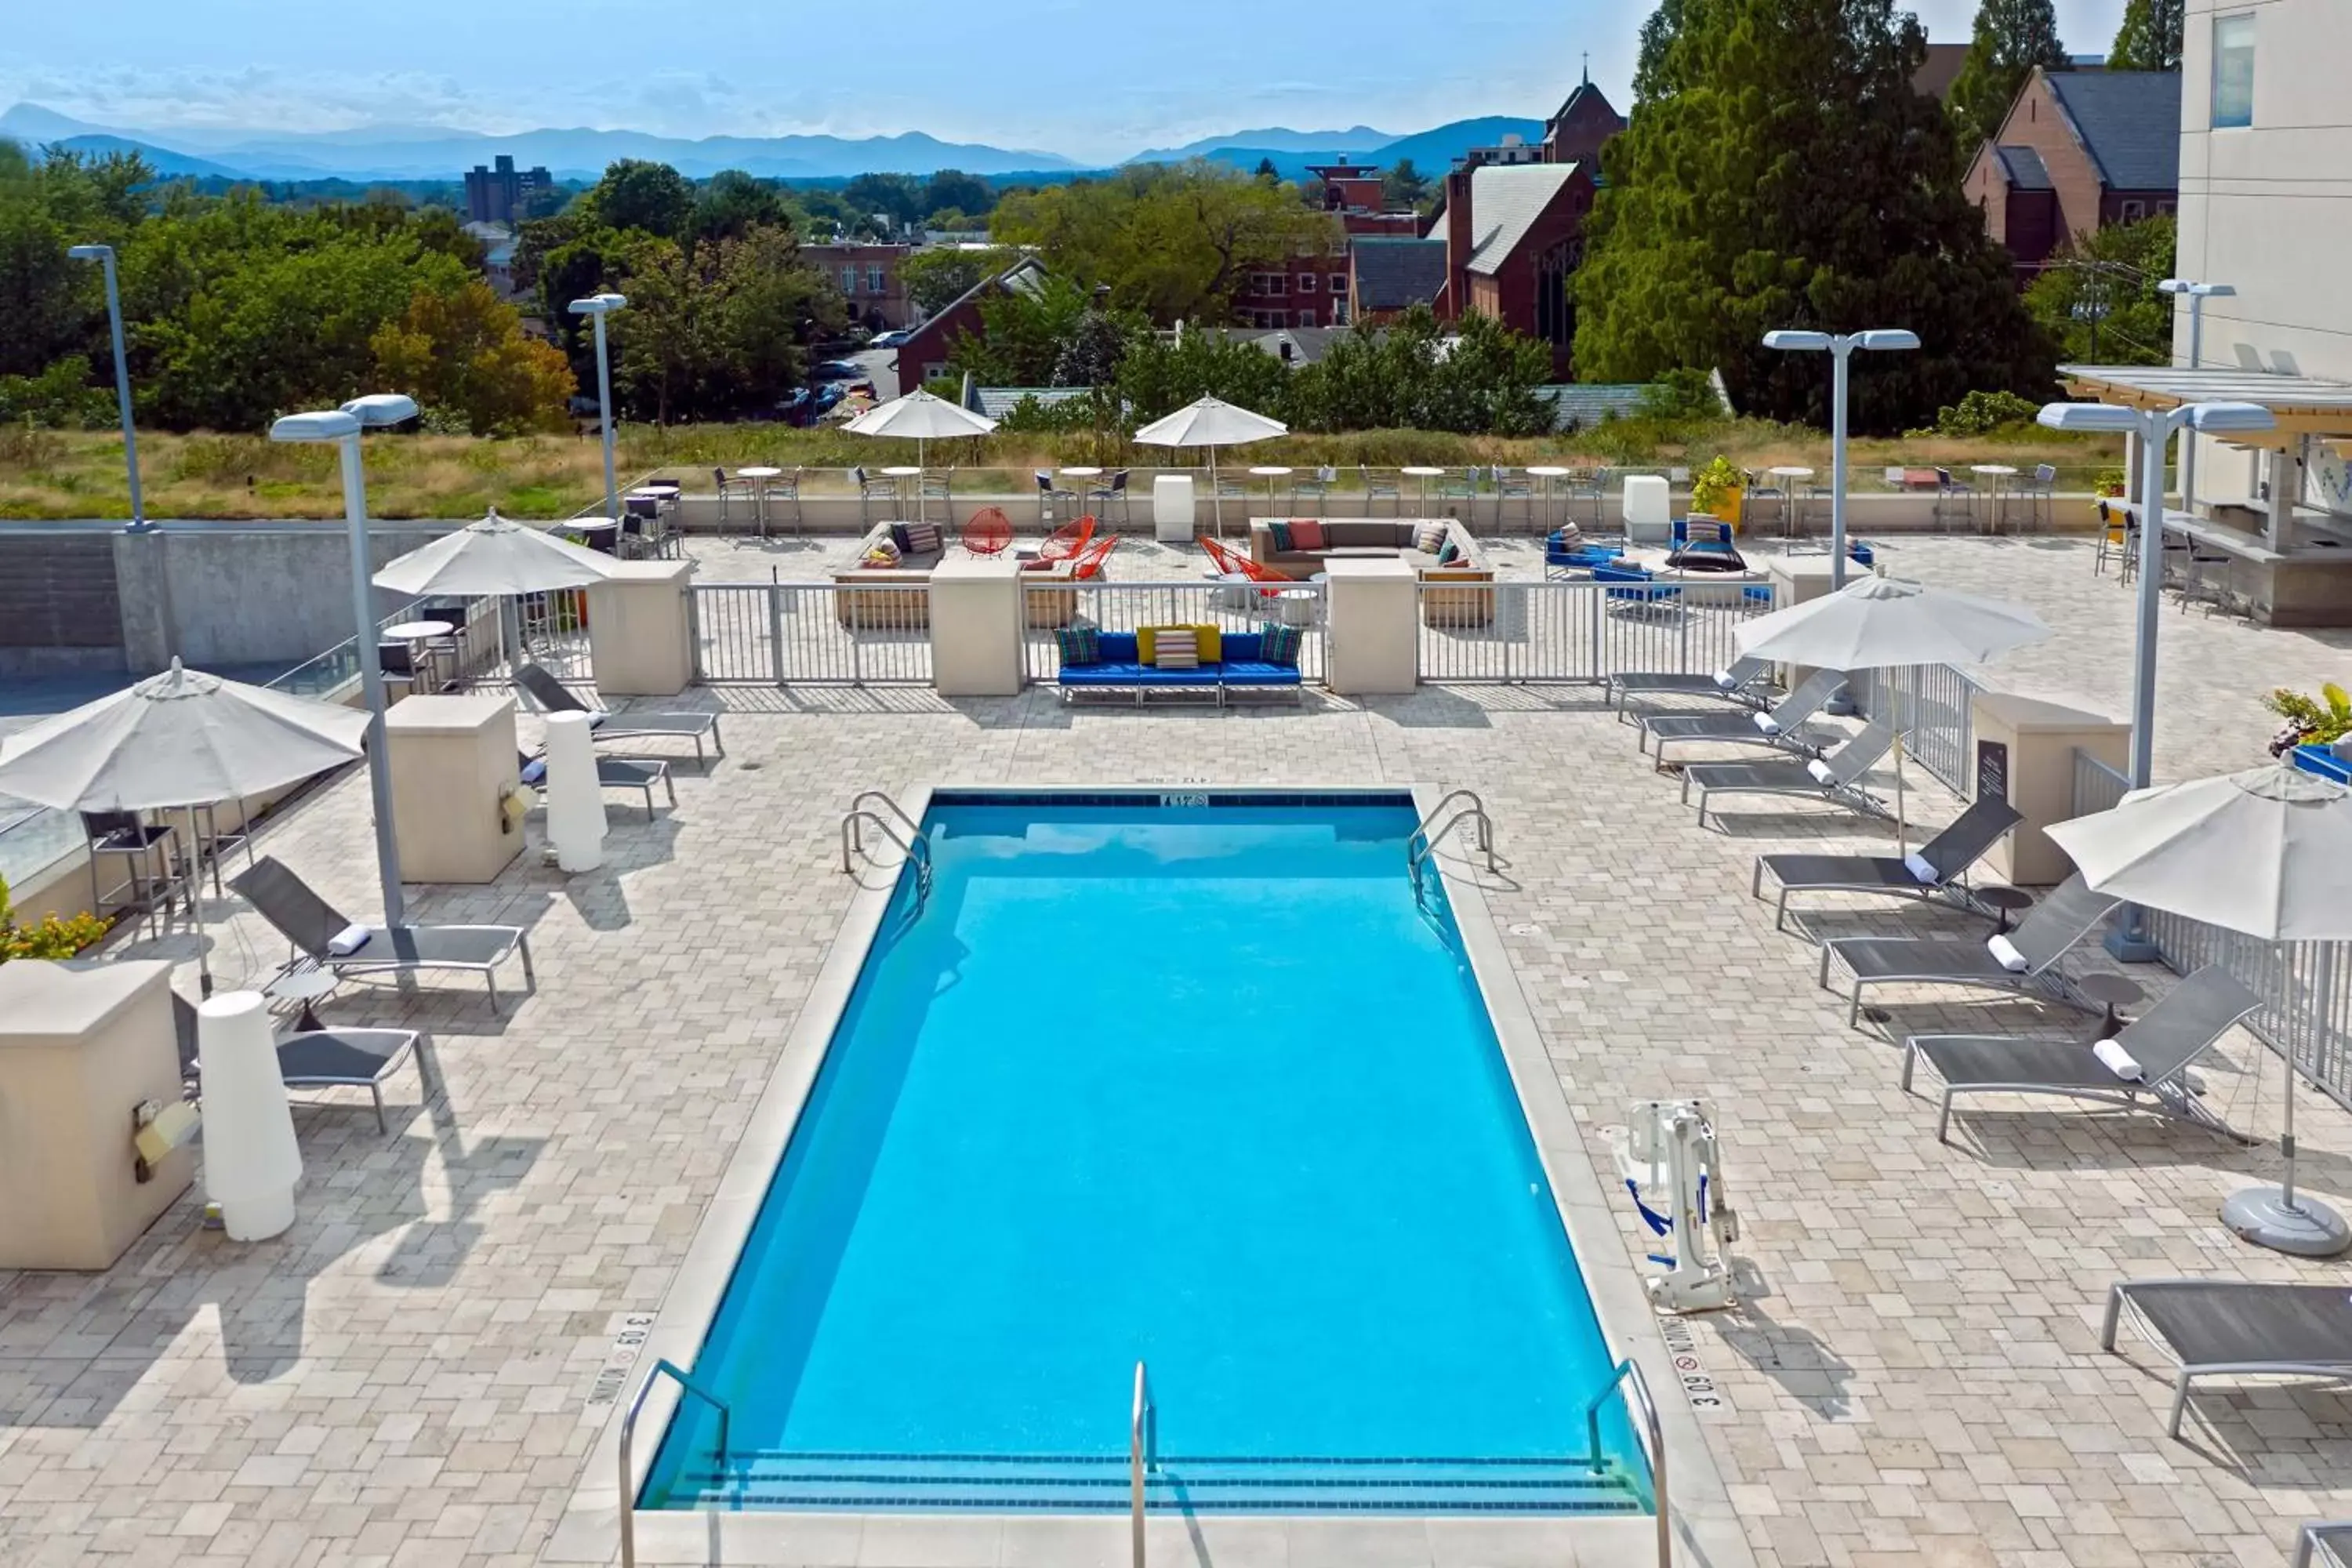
(1821, 771)
(2119, 1061)
(1765, 722)
(2005, 953)
(1723, 678)
(1917, 864)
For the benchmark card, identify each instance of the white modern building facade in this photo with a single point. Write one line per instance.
(2266, 207)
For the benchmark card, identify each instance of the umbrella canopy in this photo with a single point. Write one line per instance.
(182, 738)
(1882, 622)
(920, 416)
(494, 556)
(1211, 423)
(2267, 852)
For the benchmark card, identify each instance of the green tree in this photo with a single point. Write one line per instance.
(1405, 186)
(2098, 298)
(898, 196)
(714, 332)
(1162, 372)
(1783, 173)
(952, 190)
(1023, 333)
(2011, 37)
(731, 202)
(2150, 37)
(939, 276)
(1266, 174)
(637, 194)
(1411, 376)
(463, 352)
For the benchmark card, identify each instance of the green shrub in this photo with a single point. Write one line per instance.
(1980, 413)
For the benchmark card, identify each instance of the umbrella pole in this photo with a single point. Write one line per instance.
(196, 903)
(1216, 497)
(2274, 1216)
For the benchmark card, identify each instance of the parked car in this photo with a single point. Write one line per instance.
(891, 340)
(837, 369)
(827, 397)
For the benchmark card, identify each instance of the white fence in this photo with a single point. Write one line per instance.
(1578, 630)
(781, 633)
(2305, 986)
(1046, 608)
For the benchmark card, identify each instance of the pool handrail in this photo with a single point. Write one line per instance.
(1630, 1375)
(916, 848)
(1138, 1421)
(628, 1434)
(1422, 847)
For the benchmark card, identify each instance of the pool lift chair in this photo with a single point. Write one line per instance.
(1670, 1162)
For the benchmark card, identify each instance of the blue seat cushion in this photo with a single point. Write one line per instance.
(1255, 672)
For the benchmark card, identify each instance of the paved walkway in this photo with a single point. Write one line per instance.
(407, 1376)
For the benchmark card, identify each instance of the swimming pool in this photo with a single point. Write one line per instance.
(1195, 1081)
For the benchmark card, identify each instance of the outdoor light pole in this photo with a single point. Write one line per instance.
(343, 426)
(596, 307)
(2155, 427)
(1840, 347)
(104, 256)
(2197, 294)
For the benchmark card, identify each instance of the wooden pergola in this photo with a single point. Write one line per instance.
(2304, 406)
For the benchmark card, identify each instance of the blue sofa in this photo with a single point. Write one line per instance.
(1122, 670)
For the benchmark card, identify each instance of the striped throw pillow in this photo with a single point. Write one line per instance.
(1429, 537)
(1278, 644)
(1080, 645)
(1176, 648)
(922, 538)
(1281, 531)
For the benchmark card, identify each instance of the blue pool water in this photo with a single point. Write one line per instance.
(1197, 1086)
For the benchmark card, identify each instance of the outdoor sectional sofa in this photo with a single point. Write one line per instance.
(875, 610)
(1395, 538)
(1124, 667)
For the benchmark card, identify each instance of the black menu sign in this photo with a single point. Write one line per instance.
(1993, 770)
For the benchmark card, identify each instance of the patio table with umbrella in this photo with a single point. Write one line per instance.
(1885, 623)
(176, 741)
(1211, 423)
(493, 558)
(922, 419)
(2268, 853)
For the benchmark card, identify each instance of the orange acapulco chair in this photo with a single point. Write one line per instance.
(1065, 541)
(1089, 564)
(1231, 563)
(990, 532)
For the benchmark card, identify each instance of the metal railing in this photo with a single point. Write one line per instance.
(1628, 1374)
(664, 1367)
(1138, 1459)
(1422, 847)
(1047, 607)
(2305, 986)
(1580, 631)
(780, 634)
(914, 843)
(1929, 706)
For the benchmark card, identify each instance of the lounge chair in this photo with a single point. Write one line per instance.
(323, 939)
(552, 697)
(1927, 871)
(2333, 1538)
(1737, 685)
(2162, 1042)
(1778, 727)
(2041, 939)
(1835, 778)
(2227, 1328)
(639, 773)
(319, 1058)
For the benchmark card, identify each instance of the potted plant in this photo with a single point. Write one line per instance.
(2321, 721)
(1717, 490)
(53, 938)
(2110, 483)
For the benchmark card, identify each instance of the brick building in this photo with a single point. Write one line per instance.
(2079, 151)
(924, 356)
(1308, 288)
(504, 194)
(868, 277)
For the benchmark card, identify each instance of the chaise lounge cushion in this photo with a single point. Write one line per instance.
(1122, 666)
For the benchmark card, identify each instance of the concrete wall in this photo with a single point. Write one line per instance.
(2268, 207)
(59, 607)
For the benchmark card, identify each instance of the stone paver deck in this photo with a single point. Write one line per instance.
(1913, 1375)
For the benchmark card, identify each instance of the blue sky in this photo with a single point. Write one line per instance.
(1091, 79)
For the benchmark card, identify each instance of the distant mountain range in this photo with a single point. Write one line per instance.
(438, 152)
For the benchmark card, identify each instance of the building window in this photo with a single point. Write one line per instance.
(1258, 283)
(2134, 211)
(1307, 317)
(1338, 283)
(2234, 71)
(849, 279)
(1277, 284)
(1306, 283)
(874, 282)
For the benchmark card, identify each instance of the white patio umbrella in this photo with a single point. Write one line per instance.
(2267, 852)
(493, 558)
(1212, 423)
(1885, 623)
(182, 738)
(919, 417)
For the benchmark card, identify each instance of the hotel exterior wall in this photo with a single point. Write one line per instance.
(2267, 208)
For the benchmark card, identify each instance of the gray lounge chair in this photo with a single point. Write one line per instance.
(1737, 685)
(319, 1058)
(1948, 855)
(639, 773)
(2227, 1328)
(314, 926)
(2041, 939)
(2164, 1041)
(2334, 1538)
(1836, 778)
(1780, 727)
(552, 697)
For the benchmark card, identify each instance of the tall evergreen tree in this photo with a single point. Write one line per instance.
(2011, 37)
(1780, 172)
(2149, 39)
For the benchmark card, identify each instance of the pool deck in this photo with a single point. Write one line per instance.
(418, 1372)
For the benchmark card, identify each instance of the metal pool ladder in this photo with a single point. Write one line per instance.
(913, 842)
(1422, 847)
(1138, 1459)
(1630, 1375)
(664, 1367)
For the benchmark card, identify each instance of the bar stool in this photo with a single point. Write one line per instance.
(1049, 495)
(121, 835)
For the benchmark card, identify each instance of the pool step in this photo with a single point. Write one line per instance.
(1096, 1483)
